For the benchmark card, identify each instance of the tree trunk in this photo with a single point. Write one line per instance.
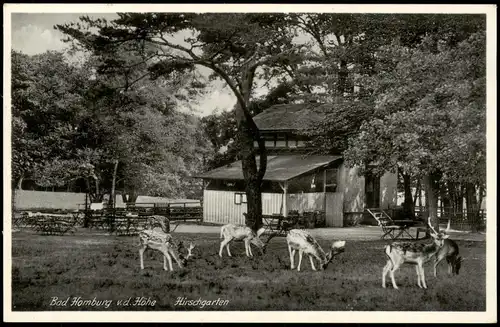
(98, 196)
(132, 196)
(343, 73)
(408, 207)
(472, 206)
(20, 182)
(417, 193)
(247, 133)
(430, 183)
(112, 197)
(446, 202)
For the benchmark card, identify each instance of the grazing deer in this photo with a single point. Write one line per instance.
(232, 232)
(158, 240)
(399, 253)
(449, 251)
(302, 241)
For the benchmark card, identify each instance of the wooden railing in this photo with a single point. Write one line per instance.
(121, 221)
(460, 220)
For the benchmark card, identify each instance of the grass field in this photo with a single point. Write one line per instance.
(90, 265)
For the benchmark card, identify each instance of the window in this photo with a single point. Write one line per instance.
(301, 143)
(269, 144)
(240, 198)
(331, 180)
(281, 141)
(269, 141)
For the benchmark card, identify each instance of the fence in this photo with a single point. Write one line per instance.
(126, 221)
(459, 220)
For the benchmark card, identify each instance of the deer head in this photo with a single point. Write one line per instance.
(336, 248)
(189, 249)
(438, 237)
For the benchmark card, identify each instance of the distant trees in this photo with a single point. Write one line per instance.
(74, 123)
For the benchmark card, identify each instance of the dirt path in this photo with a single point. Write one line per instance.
(364, 233)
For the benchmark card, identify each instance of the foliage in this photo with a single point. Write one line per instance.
(71, 123)
(47, 98)
(429, 109)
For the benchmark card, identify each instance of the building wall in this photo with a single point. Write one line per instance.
(305, 201)
(353, 187)
(219, 206)
(388, 190)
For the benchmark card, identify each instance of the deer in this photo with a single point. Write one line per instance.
(399, 253)
(450, 252)
(302, 241)
(163, 242)
(231, 232)
(159, 221)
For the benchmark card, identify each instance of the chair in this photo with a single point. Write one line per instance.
(391, 228)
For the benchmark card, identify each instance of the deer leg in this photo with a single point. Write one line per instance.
(141, 255)
(224, 243)
(312, 263)
(422, 276)
(392, 271)
(165, 263)
(292, 256)
(247, 248)
(436, 263)
(250, 249)
(300, 260)
(166, 256)
(169, 258)
(450, 262)
(418, 276)
(386, 269)
(227, 248)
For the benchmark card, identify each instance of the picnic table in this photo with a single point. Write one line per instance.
(54, 224)
(278, 225)
(128, 225)
(390, 227)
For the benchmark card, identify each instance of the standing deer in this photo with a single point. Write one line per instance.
(232, 232)
(399, 253)
(450, 252)
(302, 241)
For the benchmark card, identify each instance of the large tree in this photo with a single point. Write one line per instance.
(429, 117)
(232, 46)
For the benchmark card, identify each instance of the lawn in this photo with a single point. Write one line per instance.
(50, 269)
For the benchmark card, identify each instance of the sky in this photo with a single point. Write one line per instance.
(34, 33)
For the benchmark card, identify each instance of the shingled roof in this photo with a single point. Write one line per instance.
(291, 116)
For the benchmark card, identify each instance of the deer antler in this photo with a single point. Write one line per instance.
(448, 227)
(430, 225)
